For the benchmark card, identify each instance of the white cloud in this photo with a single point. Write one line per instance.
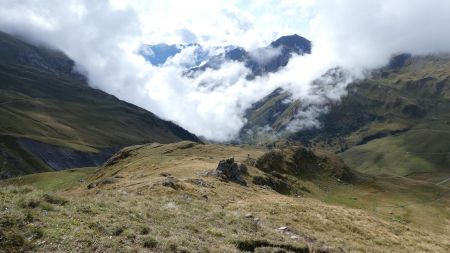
(265, 54)
(103, 37)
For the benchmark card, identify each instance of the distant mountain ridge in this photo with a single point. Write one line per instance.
(260, 61)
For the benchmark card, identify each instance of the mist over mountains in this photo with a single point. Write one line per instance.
(260, 61)
(104, 40)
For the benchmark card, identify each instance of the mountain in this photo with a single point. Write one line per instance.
(260, 61)
(373, 178)
(191, 197)
(51, 119)
(293, 43)
(394, 122)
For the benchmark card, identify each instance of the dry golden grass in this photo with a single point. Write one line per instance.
(131, 211)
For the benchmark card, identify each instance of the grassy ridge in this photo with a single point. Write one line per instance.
(133, 211)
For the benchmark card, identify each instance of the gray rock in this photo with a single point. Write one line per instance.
(230, 170)
(170, 182)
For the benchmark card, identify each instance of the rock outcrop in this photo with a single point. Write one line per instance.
(229, 170)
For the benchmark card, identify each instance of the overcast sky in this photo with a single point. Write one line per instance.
(103, 36)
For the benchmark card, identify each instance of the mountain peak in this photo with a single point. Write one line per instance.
(294, 42)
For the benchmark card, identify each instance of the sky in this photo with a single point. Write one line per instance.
(103, 37)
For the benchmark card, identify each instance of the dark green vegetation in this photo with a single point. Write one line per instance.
(51, 119)
(396, 122)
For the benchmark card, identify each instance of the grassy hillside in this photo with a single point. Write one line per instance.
(53, 181)
(395, 122)
(42, 100)
(160, 198)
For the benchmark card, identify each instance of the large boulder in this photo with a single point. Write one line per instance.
(229, 170)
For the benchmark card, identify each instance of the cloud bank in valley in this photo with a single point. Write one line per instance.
(103, 37)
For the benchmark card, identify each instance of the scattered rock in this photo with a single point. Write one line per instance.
(294, 237)
(230, 170)
(282, 228)
(170, 182)
(248, 215)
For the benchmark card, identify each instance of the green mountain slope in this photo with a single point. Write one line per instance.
(396, 122)
(51, 119)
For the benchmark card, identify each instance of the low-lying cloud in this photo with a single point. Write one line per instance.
(104, 37)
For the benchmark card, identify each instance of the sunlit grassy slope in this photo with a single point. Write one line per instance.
(125, 207)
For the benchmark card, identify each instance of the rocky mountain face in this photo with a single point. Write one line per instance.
(51, 119)
(260, 61)
(16, 51)
(270, 58)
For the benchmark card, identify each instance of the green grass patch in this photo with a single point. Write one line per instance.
(54, 181)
